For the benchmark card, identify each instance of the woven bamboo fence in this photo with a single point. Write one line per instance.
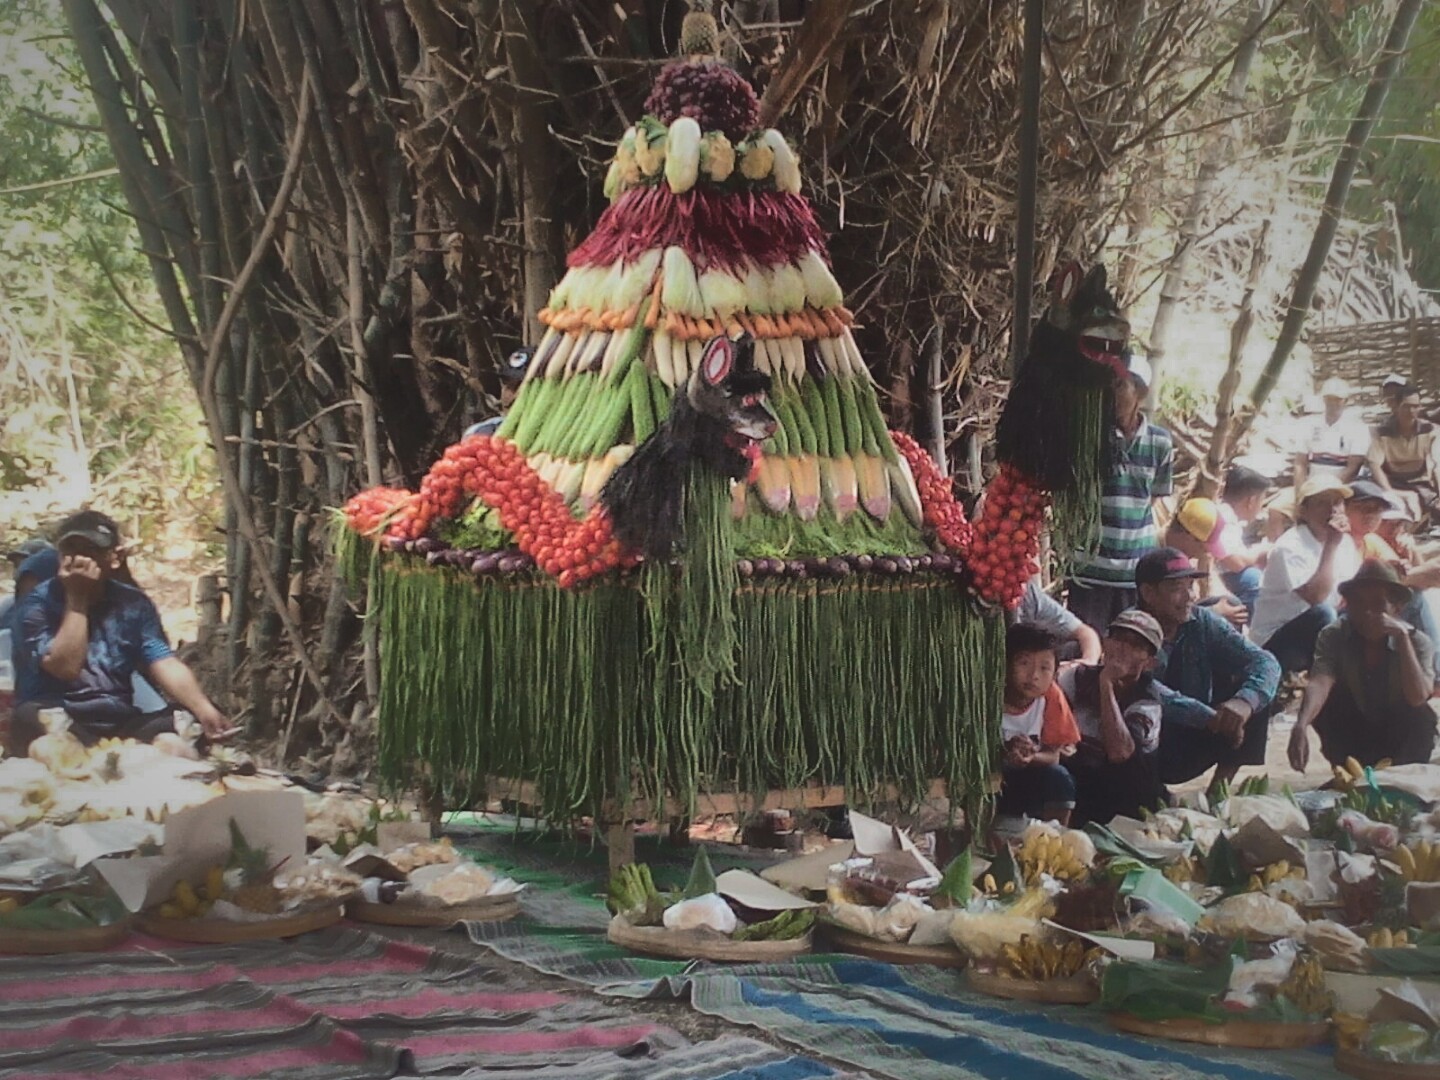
(1364, 353)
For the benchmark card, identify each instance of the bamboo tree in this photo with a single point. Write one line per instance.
(1212, 157)
(1303, 294)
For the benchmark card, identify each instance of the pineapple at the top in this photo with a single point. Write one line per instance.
(702, 87)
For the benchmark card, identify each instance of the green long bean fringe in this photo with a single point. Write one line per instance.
(863, 682)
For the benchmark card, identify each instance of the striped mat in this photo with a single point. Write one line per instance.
(341, 1003)
(909, 1023)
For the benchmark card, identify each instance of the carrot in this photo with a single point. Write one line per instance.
(764, 327)
(746, 323)
(833, 326)
(673, 326)
(544, 315)
(609, 320)
(733, 328)
(817, 324)
(628, 316)
(652, 313)
(707, 331)
(846, 315)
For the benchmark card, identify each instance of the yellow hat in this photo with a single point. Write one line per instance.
(1199, 517)
(1320, 484)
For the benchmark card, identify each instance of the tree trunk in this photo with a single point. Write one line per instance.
(1391, 56)
(1212, 158)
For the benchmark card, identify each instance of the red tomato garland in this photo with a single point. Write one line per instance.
(369, 512)
(1004, 553)
(937, 499)
(496, 471)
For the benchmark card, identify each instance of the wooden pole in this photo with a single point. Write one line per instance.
(935, 399)
(1028, 178)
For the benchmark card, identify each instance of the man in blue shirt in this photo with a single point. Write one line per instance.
(83, 634)
(1216, 687)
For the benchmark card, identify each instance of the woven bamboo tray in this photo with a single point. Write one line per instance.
(1252, 1034)
(701, 944)
(83, 939)
(848, 941)
(1354, 1063)
(227, 931)
(1071, 991)
(486, 909)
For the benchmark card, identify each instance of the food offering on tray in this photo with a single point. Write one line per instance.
(1399, 1038)
(47, 906)
(724, 917)
(428, 881)
(1269, 995)
(251, 885)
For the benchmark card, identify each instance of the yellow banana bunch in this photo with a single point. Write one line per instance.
(1350, 1030)
(1305, 987)
(1042, 960)
(186, 903)
(1419, 861)
(990, 888)
(1043, 853)
(1385, 938)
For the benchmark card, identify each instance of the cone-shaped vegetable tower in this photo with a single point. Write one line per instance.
(692, 557)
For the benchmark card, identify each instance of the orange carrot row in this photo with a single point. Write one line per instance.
(806, 323)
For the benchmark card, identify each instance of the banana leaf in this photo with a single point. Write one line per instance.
(1419, 962)
(65, 910)
(1170, 990)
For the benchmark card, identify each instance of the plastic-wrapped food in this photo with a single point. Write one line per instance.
(1397, 1042)
(451, 884)
(856, 917)
(1252, 981)
(984, 934)
(897, 919)
(1154, 923)
(1338, 945)
(1279, 813)
(708, 912)
(1375, 835)
(933, 928)
(62, 753)
(430, 853)
(1253, 915)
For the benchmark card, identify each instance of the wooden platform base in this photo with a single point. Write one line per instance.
(49, 942)
(402, 914)
(228, 932)
(1354, 1063)
(890, 952)
(701, 944)
(1072, 991)
(1251, 1034)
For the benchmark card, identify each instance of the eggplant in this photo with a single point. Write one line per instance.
(744, 567)
(487, 563)
(394, 543)
(425, 545)
(864, 562)
(905, 564)
(839, 566)
(436, 558)
(509, 564)
(887, 565)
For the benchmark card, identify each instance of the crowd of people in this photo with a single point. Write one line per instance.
(1168, 660)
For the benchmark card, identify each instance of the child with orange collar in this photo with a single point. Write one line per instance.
(1037, 728)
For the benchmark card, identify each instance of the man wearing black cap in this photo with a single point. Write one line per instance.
(1217, 688)
(83, 634)
(1368, 695)
(512, 375)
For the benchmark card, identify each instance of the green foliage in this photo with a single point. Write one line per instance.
(98, 404)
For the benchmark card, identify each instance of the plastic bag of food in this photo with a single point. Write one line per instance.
(897, 919)
(932, 928)
(983, 934)
(1374, 835)
(708, 912)
(1338, 945)
(1397, 1042)
(1253, 980)
(1279, 813)
(1253, 915)
(854, 917)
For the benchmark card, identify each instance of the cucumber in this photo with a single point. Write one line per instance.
(814, 404)
(839, 446)
(642, 405)
(850, 417)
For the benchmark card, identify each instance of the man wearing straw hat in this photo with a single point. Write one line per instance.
(1368, 696)
(1336, 443)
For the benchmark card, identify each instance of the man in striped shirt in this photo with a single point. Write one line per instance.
(1102, 583)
